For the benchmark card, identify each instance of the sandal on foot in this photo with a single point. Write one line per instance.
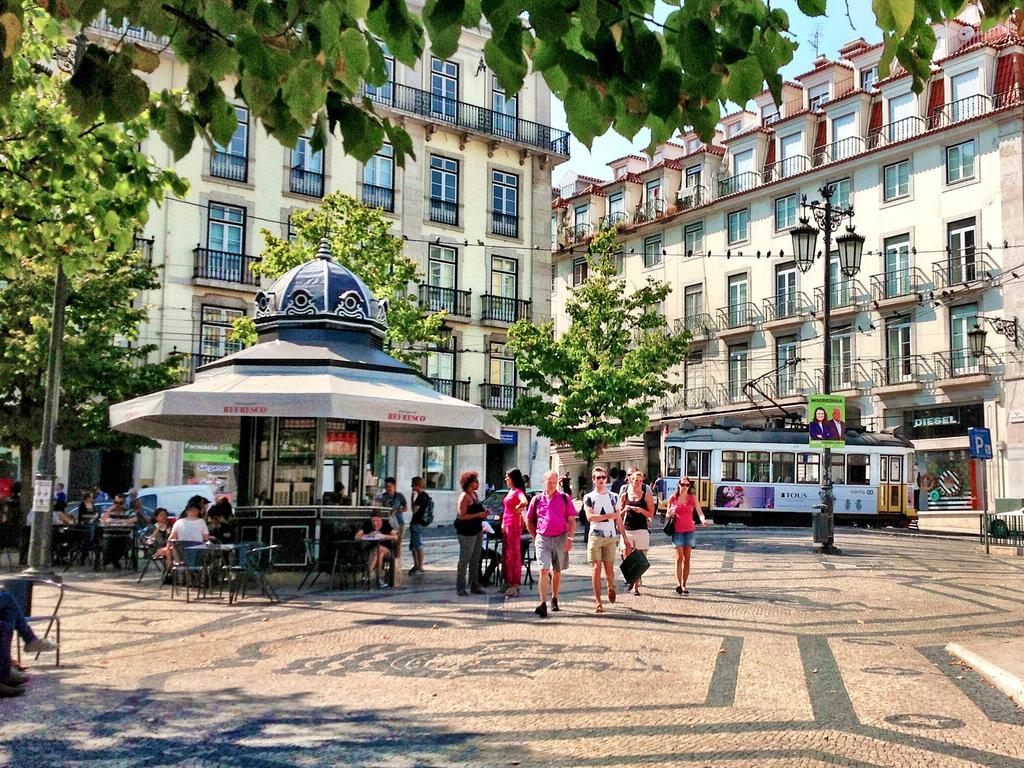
(599, 608)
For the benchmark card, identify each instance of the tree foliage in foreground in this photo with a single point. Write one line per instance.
(360, 241)
(594, 385)
(299, 63)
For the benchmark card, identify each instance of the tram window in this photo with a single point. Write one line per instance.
(783, 467)
(807, 465)
(672, 456)
(858, 469)
(698, 464)
(758, 467)
(732, 465)
(883, 473)
(838, 469)
(895, 469)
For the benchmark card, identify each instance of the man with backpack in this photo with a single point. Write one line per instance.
(422, 516)
(551, 521)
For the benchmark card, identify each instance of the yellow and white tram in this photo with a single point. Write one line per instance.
(751, 475)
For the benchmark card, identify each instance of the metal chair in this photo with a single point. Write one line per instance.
(257, 565)
(151, 557)
(350, 559)
(21, 589)
(114, 547)
(189, 565)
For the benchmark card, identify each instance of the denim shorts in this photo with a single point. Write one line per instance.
(684, 539)
(415, 537)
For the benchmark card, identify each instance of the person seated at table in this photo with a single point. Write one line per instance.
(141, 518)
(218, 517)
(87, 509)
(117, 514)
(155, 536)
(190, 528)
(378, 529)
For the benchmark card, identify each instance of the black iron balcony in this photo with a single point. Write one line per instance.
(444, 211)
(504, 224)
(846, 376)
(960, 363)
(379, 197)
(576, 233)
(1009, 97)
(698, 324)
(734, 392)
(785, 305)
(963, 269)
(650, 210)
(503, 309)
(701, 398)
(452, 388)
(500, 397)
(839, 150)
(613, 221)
(787, 167)
(960, 110)
(224, 266)
(414, 101)
(741, 182)
(452, 301)
(226, 165)
(899, 130)
(788, 381)
(898, 370)
(897, 283)
(303, 182)
(738, 315)
(691, 197)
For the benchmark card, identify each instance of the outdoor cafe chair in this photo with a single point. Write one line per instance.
(151, 557)
(115, 547)
(232, 571)
(352, 561)
(21, 589)
(188, 567)
(258, 563)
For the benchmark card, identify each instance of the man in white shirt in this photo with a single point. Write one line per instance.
(605, 529)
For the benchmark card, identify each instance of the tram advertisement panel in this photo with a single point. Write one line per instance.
(826, 421)
(748, 497)
(849, 499)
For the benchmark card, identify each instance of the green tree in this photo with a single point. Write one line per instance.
(361, 241)
(78, 194)
(594, 385)
(298, 64)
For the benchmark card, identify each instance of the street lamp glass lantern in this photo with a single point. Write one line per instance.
(976, 337)
(805, 239)
(851, 250)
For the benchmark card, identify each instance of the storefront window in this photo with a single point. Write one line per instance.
(858, 469)
(260, 491)
(783, 467)
(807, 465)
(342, 448)
(295, 474)
(212, 464)
(439, 467)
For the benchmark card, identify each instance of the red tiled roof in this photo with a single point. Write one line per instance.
(665, 163)
(845, 96)
(627, 157)
(790, 83)
(633, 177)
(997, 38)
(866, 49)
(790, 117)
(745, 133)
(822, 67)
(714, 149)
(559, 202)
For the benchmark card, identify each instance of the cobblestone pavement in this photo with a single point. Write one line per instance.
(778, 657)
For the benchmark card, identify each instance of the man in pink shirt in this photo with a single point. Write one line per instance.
(551, 521)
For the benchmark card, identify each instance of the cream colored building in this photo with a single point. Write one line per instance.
(473, 206)
(935, 180)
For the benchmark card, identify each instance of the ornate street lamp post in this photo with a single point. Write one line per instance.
(851, 248)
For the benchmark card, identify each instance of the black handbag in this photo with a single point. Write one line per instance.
(670, 526)
(634, 566)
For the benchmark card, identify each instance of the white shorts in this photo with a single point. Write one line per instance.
(639, 539)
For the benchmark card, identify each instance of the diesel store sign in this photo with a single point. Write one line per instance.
(947, 421)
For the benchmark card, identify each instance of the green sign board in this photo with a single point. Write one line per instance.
(826, 421)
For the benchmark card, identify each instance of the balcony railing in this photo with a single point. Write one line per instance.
(577, 233)
(789, 381)
(846, 376)
(699, 324)
(503, 309)
(785, 305)
(691, 197)
(902, 369)
(839, 150)
(900, 130)
(960, 362)
(737, 316)
(1007, 98)
(444, 211)
(224, 266)
(846, 292)
(226, 165)
(379, 197)
(962, 269)
(124, 29)
(741, 182)
(783, 169)
(303, 182)
(732, 392)
(960, 110)
(414, 101)
(650, 210)
(701, 398)
(613, 220)
(500, 397)
(452, 388)
(897, 283)
(434, 298)
(504, 224)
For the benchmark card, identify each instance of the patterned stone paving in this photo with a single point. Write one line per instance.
(779, 657)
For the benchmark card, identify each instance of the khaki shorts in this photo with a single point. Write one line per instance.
(601, 549)
(551, 552)
(639, 539)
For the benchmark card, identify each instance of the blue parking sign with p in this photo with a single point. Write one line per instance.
(980, 439)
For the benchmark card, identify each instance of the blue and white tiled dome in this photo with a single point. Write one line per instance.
(320, 291)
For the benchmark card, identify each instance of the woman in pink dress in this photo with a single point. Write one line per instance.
(681, 507)
(513, 507)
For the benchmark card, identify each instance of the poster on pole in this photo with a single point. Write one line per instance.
(826, 421)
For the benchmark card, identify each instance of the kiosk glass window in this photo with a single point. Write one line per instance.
(858, 469)
(262, 449)
(783, 467)
(342, 447)
(733, 465)
(295, 473)
(807, 465)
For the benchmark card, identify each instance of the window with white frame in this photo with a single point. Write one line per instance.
(785, 212)
(226, 228)
(739, 355)
(842, 358)
(841, 192)
(652, 250)
(505, 204)
(739, 224)
(232, 162)
(896, 180)
(379, 179)
(769, 114)
(384, 93)
(693, 237)
(693, 300)
(216, 325)
(444, 89)
(505, 108)
(439, 467)
(307, 169)
(868, 78)
(693, 176)
(960, 162)
(817, 96)
(579, 271)
(444, 190)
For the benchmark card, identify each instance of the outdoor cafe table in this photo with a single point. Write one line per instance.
(211, 563)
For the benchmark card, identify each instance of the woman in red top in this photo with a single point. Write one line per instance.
(681, 507)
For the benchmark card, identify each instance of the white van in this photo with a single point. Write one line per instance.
(173, 498)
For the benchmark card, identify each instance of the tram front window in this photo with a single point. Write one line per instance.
(783, 467)
(758, 467)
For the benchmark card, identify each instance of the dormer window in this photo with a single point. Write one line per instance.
(620, 172)
(817, 97)
(694, 145)
(658, 156)
(769, 115)
(693, 176)
(868, 78)
(653, 189)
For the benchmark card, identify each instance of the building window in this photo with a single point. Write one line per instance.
(505, 204)
(738, 300)
(868, 78)
(769, 114)
(579, 271)
(581, 215)
(693, 301)
(739, 222)
(618, 259)
(960, 162)
(440, 362)
(961, 320)
(616, 203)
(504, 277)
(841, 193)
(439, 467)
(738, 360)
(842, 359)
(444, 190)
(384, 93)
(307, 169)
(693, 237)
(785, 363)
(897, 180)
(785, 212)
(291, 231)
(226, 228)
(232, 161)
(652, 251)
(785, 291)
(963, 266)
(506, 110)
(964, 89)
(444, 89)
(899, 362)
(693, 176)
(817, 97)
(502, 368)
(442, 267)
(379, 179)
(216, 324)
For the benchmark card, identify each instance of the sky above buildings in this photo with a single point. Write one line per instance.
(832, 31)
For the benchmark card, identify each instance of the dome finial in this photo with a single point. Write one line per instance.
(324, 249)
